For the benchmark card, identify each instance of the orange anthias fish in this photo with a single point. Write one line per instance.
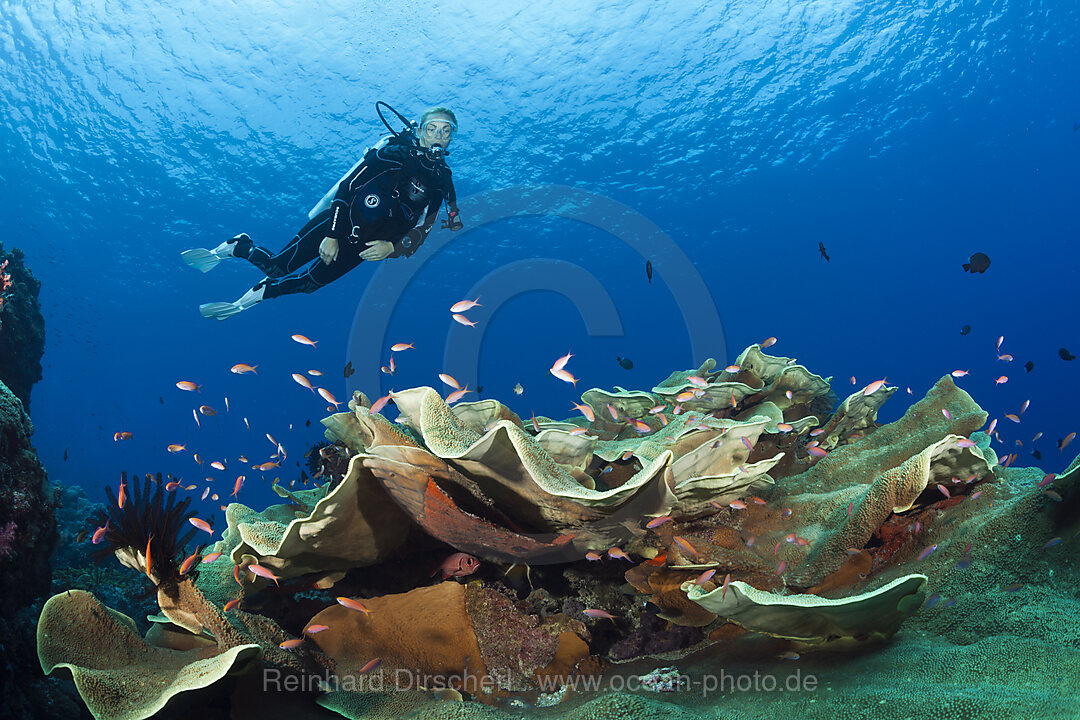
(217, 465)
(463, 320)
(456, 395)
(585, 410)
(599, 614)
(188, 385)
(370, 665)
(312, 629)
(353, 605)
(201, 524)
(264, 573)
(239, 484)
(380, 403)
(291, 644)
(207, 410)
(122, 435)
(565, 376)
(189, 562)
(301, 380)
(304, 341)
(211, 557)
(768, 342)
(561, 362)
(232, 604)
(329, 397)
(873, 387)
(449, 380)
(684, 545)
(618, 554)
(176, 448)
(148, 568)
(464, 305)
(241, 368)
(267, 466)
(398, 347)
(121, 496)
(657, 522)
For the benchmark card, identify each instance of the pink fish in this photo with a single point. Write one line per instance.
(329, 397)
(592, 557)
(768, 342)
(201, 524)
(370, 665)
(946, 413)
(724, 587)
(303, 340)
(657, 522)
(781, 567)
(873, 387)
(561, 362)
(380, 403)
(784, 427)
(704, 577)
(353, 605)
(959, 373)
(211, 557)
(565, 376)
(458, 565)
(456, 395)
(600, 614)
(616, 553)
(1047, 480)
(399, 347)
(263, 572)
(993, 426)
(816, 452)
(463, 320)
(1014, 418)
(312, 629)
(1002, 380)
(585, 410)
(737, 505)
(965, 443)
(697, 381)
(464, 305)
(927, 552)
(944, 490)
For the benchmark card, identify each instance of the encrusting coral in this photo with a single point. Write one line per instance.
(754, 506)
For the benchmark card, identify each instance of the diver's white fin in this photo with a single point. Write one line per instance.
(201, 259)
(219, 310)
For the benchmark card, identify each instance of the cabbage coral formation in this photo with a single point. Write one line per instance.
(752, 504)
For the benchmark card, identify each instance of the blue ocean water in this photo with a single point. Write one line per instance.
(726, 139)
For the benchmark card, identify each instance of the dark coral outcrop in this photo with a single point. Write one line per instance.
(22, 327)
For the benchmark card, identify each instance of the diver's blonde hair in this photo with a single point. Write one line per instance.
(439, 110)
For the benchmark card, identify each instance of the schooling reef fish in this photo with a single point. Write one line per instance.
(1066, 355)
(648, 270)
(821, 249)
(965, 330)
(626, 363)
(978, 263)
(1029, 366)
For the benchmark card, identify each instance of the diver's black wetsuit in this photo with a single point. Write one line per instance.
(393, 194)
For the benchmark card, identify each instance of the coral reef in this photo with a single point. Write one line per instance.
(22, 326)
(27, 537)
(722, 519)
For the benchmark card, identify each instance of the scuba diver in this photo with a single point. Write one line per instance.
(385, 206)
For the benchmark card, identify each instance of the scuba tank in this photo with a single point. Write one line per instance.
(406, 135)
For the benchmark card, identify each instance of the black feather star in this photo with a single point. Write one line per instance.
(147, 519)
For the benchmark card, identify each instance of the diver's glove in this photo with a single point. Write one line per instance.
(453, 219)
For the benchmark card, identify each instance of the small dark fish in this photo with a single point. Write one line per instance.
(648, 270)
(65, 454)
(964, 563)
(161, 400)
(949, 603)
(626, 363)
(932, 601)
(965, 330)
(1066, 355)
(479, 389)
(978, 263)
(349, 369)
(821, 249)
(307, 423)
(81, 536)
(1029, 366)
(1036, 454)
